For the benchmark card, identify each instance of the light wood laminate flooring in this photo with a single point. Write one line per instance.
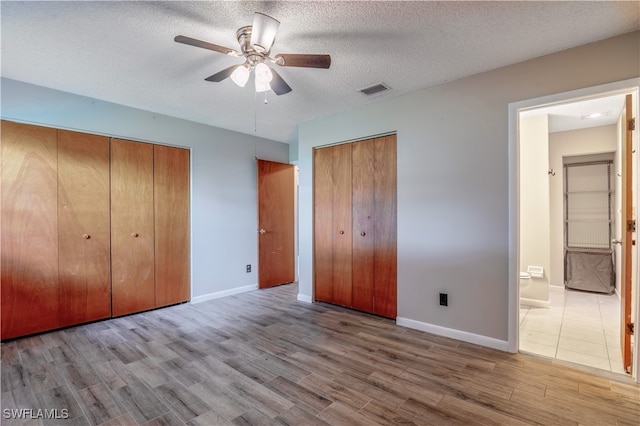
(264, 358)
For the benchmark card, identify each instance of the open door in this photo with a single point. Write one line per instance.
(629, 224)
(276, 210)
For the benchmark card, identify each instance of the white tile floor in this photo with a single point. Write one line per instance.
(580, 327)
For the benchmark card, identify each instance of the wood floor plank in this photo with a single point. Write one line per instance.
(297, 416)
(98, 404)
(386, 416)
(261, 398)
(263, 357)
(338, 414)
(141, 402)
(221, 399)
(334, 391)
(299, 395)
(60, 399)
(186, 404)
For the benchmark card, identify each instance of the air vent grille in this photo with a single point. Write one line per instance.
(376, 88)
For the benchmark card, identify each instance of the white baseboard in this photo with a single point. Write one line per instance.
(451, 333)
(305, 298)
(224, 293)
(556, 287)
(535, 303)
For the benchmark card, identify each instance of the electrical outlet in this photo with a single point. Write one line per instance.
(248, 268)
(444, 299)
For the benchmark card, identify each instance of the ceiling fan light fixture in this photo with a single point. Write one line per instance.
(263, 32)
(263, 74)
(262, 87)
(240, 75)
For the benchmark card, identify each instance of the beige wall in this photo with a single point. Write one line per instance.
(534, 203)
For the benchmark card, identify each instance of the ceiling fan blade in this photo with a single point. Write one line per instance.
(278, 85)
(206, 45)
(301, 60)
(221, 75)
(263, 32)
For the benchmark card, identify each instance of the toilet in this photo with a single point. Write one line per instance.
(525, 279)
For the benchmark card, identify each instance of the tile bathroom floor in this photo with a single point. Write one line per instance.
(580, 327)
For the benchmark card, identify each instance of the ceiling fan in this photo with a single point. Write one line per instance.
(255, 46)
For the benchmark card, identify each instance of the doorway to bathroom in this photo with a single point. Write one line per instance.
(555, 319)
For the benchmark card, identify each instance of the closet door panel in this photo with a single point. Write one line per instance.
(29, 234)
(84, 227)
(172, 230)
(132, 227)
(385, 229)
(364, 246)
(342, 226)
(323, 224)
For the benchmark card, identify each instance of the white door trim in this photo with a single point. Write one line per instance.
(625, 86)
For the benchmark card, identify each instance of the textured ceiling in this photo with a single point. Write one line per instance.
(124, 52)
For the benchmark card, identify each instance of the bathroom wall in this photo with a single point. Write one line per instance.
(591, 141)
(535, 229)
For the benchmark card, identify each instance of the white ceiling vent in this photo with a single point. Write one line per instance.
(376, 88)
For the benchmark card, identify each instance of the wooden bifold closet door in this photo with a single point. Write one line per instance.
(132, 227)
(355, 262)
(332, 210)
(92, 227)
(84, 227)
(172, 229)
(29, 210)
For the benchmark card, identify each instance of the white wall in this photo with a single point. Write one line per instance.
(535, 232)
(453, 182)
(595, 140)
(223, 173)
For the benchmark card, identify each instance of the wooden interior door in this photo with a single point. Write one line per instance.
(342, 215)
(29, 235)
(364, 244)
(172, 229)
(627, 235)
(323, 230)
(132, 227)
(276, 223)
(385, 262)
(84, 227)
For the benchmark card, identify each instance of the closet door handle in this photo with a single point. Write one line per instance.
(86, 236)
(363, 233)
(341, 232)
(135, 235)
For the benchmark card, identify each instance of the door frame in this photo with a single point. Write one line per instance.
(626, 86)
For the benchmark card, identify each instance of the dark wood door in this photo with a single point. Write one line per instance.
(84, 227)
(627, 235)
(333, 225)
(364, 245)
(29, 234)
(276, 223)
(172, 229)
(385, 263)
(132, 227)
(342, 225)
(323, 229)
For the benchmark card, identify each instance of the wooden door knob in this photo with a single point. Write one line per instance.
(363, 234)
(135, 235)
(341, 232)
(86, 236)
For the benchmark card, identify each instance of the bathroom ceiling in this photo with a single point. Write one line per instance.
(583, 114)
(123, 52)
